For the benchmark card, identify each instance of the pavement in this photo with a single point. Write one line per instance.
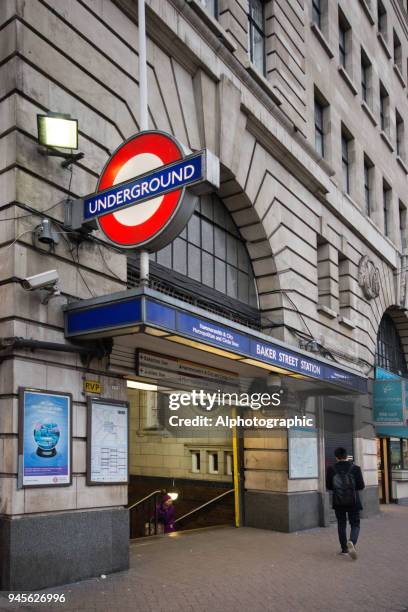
(252, 570)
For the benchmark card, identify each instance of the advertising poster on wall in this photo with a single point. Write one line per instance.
(45, 438)
(108, 447)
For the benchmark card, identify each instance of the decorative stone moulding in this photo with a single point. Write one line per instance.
(368, 278)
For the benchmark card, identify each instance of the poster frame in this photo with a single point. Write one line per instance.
(312, 430)
(21, 420)
(91, 402)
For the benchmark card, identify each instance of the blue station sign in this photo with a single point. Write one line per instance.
(124, 315)
(166, 179)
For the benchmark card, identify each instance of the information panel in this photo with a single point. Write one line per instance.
(180, 372)
(108, 425)
(388, 402)
(303, 452)
(45, 438)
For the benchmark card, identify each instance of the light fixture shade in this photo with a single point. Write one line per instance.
(57, 131)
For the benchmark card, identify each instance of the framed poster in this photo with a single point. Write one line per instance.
(45, 438)
(303, 452)
(108, 442)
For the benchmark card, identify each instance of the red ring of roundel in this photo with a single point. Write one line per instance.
(168, 151)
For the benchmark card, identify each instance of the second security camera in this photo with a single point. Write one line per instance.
(44, 280)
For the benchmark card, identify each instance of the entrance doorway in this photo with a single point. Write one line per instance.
(194, 467)
(338, 431)
(338, 427)
(384, 470)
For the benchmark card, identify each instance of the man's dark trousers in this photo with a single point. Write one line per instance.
(354, 519)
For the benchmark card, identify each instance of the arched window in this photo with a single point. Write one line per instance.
(390, 354)
(209, 260)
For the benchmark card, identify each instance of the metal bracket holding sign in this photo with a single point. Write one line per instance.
(147, 192)
(108, 442)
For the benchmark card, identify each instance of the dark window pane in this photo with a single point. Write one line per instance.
(194, 262)
(256, 12)
(346, 182)
(344, 148)
(210, 6)
(319, 143)
(390, 353)
(243, 287)
(232, 281)
(207, 236)
(208, 269)
(256, 34)
(209, 250)
(253, 300)
(219, 213)
(342, 46)
(220, 275)
(207, 207)
(180, 256)
(319, 115)
(164, 256)
(257, 49)
(243, 258)
(316, 13)
(232, 250)
(193, 230)
(219, 243)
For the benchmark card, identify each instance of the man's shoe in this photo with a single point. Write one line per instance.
(351, 550)
(343, 553)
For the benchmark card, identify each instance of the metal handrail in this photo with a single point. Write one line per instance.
(144, 499)
(211, 501)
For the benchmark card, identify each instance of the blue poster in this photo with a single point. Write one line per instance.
(46, 438)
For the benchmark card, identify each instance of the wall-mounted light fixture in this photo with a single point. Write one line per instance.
(58, 131)
(45, 234)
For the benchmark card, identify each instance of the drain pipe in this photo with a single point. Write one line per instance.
(94, 350)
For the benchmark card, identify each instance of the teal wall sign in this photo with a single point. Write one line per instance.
(389, 401)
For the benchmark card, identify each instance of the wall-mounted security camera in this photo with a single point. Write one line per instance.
(44, 280)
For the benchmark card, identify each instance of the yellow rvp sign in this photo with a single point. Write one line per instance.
(92, 386)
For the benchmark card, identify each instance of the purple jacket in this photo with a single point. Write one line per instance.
(165, 515)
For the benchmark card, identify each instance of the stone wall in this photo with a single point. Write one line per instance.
(304, 235)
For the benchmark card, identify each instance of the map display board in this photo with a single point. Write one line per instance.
(108, 427)
(303, 452)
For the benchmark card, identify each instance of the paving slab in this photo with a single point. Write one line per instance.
(231, 570)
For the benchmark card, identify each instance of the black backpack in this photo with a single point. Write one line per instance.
(344, 488)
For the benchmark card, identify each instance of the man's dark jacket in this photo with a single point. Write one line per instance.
(344, 466)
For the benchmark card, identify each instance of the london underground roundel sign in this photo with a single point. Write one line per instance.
(147, 191)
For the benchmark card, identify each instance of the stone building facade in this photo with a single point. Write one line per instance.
(304, 102)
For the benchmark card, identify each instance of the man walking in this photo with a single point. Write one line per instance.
(346, 480)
